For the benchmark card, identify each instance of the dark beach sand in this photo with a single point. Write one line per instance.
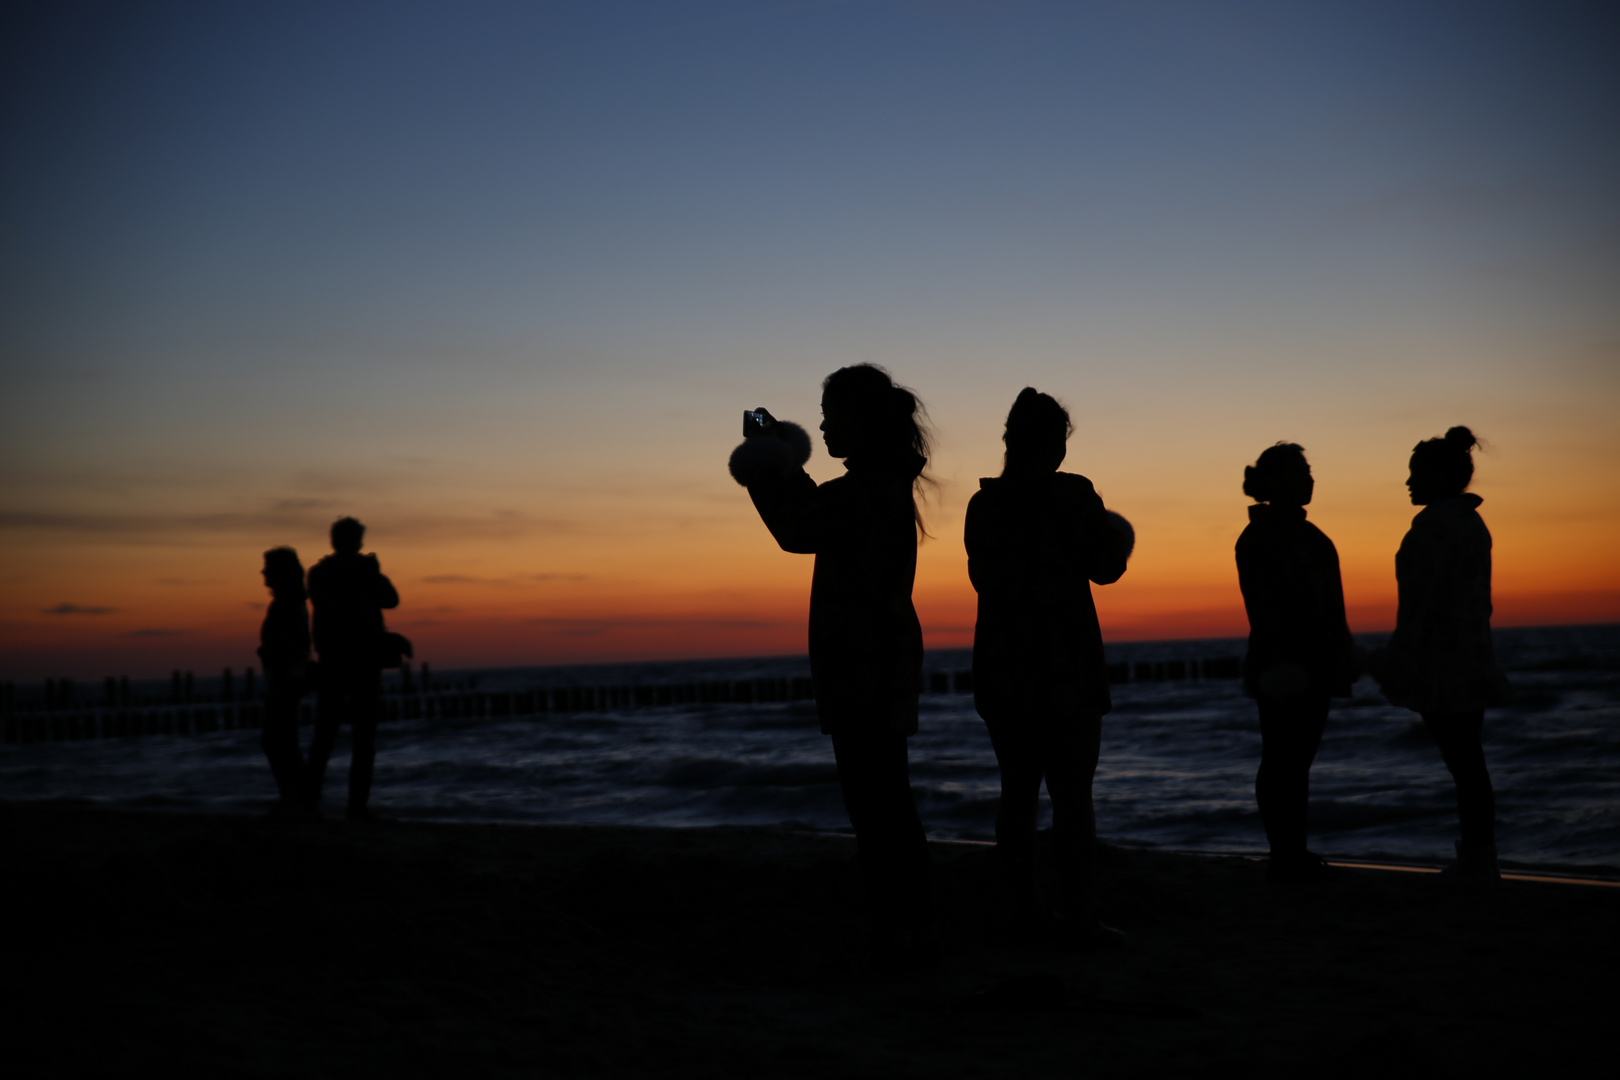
(179, 944)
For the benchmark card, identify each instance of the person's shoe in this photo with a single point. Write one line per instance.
(1304, 866)
(1475, 866)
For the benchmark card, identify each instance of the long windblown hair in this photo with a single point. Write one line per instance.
(892, 422)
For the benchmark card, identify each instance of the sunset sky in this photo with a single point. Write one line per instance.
(497, 278)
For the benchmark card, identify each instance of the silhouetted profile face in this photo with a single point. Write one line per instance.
(1294, 487)
(1441, 468)
(347, 535)
(1423, 485)
(282, 571)
(839, 429)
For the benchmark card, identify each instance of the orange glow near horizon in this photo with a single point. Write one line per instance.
(713, 585)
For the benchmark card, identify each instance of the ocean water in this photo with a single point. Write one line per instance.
(1177, 766)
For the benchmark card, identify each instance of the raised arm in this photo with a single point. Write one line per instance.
(771, 467)
(792, 508)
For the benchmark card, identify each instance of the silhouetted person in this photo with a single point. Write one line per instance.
(284, 652)
(865, 640)
(1036, 539)
(350, 593)
(1300, 650)
(1440, 661)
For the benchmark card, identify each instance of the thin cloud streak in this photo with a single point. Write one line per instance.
(204, 528)
(588, 627)
(78, 609)
(467, 579)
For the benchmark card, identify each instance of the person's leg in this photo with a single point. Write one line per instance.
(1018, 760)
(365, 711)
(1069, 752)
(329, 708)
(278, 736)
(1290, 734)
(1459, 737)
(891, 845)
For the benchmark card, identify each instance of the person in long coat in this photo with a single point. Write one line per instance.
(284, 652)
(865, 640)
(1300, 655)
(1036, 540)
(1441, 661)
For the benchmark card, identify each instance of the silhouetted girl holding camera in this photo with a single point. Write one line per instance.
(284, 651)
(1440, 661)
(1036, 539)
(865, 641)
(1300, 650)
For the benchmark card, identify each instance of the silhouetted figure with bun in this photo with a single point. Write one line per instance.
(284, 652)
(865, 641)
(350, 593)
(1300, 650)
(1441, 662)
(1036, 540)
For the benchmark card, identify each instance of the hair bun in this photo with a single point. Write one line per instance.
(1461, 438)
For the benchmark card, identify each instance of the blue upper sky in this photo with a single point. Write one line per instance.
(254, 253)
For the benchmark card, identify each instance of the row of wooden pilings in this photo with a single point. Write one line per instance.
(65, 694)
(406, 699)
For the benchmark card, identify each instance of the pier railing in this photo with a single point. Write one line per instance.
(60, 714)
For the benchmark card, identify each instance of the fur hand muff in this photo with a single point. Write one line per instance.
(1123, 528)
(796, 437)
(764, 458)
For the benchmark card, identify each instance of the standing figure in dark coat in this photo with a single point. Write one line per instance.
(1036, 540)
(1300, 650)
(350, 593)
(1441, 661)
(284, 652)
(865, 640)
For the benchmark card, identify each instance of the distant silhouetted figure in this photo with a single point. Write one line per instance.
(865, 640)
(1440, 661)
(1300, 650)
(349, 592)
(284, 651)
(1036, 539)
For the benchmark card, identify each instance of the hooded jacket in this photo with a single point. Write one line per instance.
(1299, 641)
(1034, 545)
(1441, 657)
(865, 641)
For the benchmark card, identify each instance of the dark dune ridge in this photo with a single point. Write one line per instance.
(231, 945)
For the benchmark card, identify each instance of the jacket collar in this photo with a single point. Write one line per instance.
(1268, 514)
(1451, 506)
